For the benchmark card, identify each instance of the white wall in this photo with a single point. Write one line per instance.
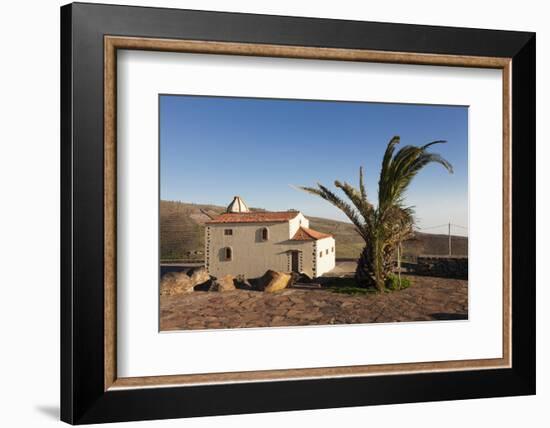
(296, 223)
(252, 256)
(325, 255)
(29, 232)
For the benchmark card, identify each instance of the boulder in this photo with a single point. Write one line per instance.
(199, 276)
(300, 278)
(273, 281)
(242, 283)
(174, 283)
(225, 283)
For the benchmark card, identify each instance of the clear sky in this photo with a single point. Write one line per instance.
(212, 148)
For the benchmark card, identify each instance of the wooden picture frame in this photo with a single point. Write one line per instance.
(91, 390)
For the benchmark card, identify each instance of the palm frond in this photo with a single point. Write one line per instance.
(339, 203)
(384, 183)
(362, 205)
(362, 188)
(388, 154)
(425, 146)
(404, 166)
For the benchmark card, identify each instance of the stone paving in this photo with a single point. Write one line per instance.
(427, 299)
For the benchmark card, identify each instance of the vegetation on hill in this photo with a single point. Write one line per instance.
(182, 229)
(182, 234)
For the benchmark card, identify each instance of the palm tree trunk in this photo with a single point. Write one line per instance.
(364, 270)
(379, 266)
(399, 263)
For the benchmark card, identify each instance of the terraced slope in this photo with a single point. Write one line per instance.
(182, 234)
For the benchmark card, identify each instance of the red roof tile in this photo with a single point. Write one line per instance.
(254, 217)
(305, 234)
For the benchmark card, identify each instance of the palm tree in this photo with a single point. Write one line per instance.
(385, 226)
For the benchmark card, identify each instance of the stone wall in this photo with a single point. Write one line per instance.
(442, 266)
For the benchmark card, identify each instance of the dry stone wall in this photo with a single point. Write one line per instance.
(442, 266)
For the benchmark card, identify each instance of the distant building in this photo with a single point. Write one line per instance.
(248, 243)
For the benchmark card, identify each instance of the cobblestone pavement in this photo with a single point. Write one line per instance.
(427, 299)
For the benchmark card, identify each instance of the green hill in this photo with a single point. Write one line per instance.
(182, 234)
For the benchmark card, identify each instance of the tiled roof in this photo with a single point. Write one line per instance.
(255, 217)
(305, 234)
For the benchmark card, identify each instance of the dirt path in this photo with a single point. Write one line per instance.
(428, 298)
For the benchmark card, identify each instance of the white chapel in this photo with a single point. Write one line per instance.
(247, 243)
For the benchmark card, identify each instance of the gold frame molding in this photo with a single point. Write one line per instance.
(113, 43)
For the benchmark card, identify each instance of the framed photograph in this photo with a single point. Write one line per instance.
(265, 213)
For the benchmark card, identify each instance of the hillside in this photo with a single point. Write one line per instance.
(182, 234)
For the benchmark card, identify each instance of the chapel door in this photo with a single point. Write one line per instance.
(295, 261)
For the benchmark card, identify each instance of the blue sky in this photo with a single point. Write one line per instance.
(212, 148)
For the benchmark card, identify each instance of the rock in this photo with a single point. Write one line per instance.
(174, 283)
(300, 278)
(243, 284)
(225, 283)
(199, 276)
(262, 282)
(273, 281)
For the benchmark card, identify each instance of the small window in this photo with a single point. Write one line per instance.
(228, 232)
(327, 251)
(321, 254)
(265, 234)
(228, 253)
(333, 249)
